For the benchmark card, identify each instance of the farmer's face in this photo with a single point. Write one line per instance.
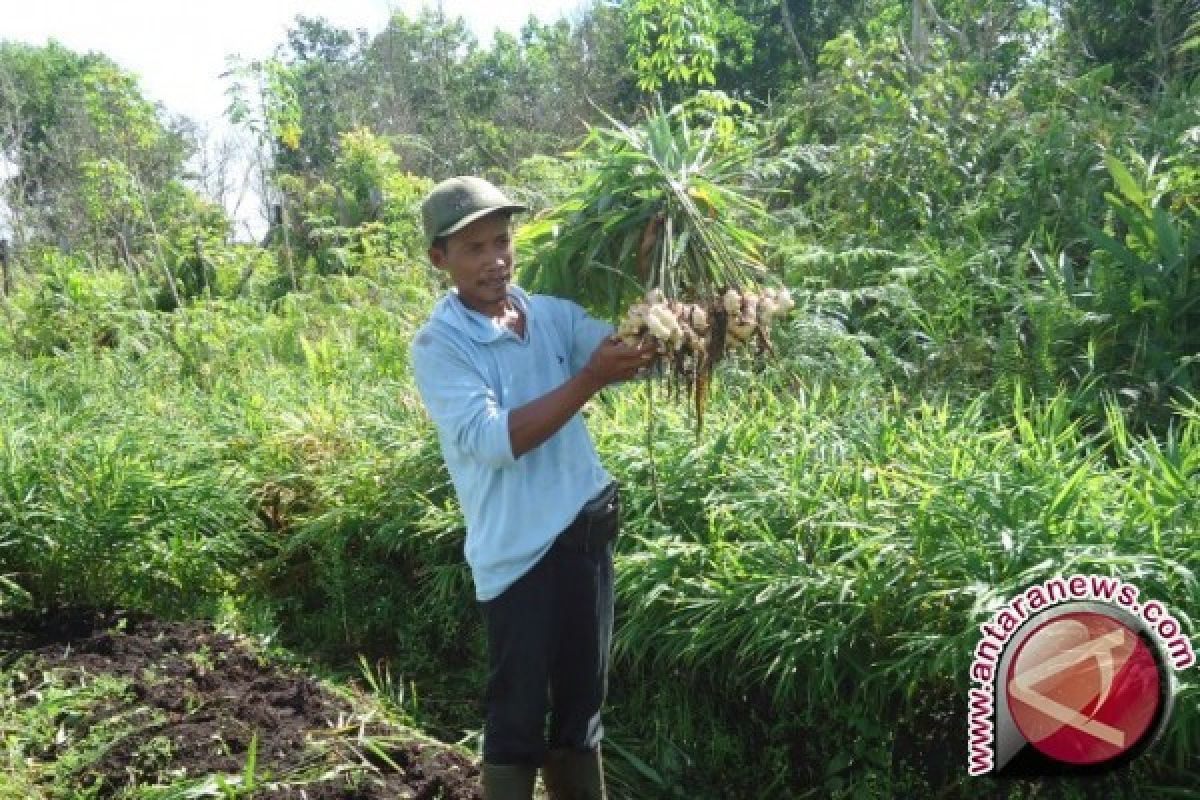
(479, 259)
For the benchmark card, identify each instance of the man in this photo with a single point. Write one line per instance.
(504, 375)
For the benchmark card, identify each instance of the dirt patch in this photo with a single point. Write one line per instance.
(208, 699)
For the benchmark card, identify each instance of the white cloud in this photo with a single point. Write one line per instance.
(179, 49)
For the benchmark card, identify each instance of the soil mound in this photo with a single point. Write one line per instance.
(199, 702)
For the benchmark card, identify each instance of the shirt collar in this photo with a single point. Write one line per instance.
(483, 329)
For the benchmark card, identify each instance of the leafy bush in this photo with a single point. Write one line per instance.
(362, 216)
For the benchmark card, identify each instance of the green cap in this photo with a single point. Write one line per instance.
(457, 202)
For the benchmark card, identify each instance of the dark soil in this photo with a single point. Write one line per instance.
(215, 697)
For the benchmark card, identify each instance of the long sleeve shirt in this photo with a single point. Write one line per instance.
(471, 372)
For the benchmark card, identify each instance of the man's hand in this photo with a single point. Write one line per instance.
(614, 361)
(538, 420)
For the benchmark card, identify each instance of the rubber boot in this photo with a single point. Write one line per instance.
(574, 775)
(508, 782)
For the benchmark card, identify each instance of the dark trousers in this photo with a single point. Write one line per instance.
(549, 636)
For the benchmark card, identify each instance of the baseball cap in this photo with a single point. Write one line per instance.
(457, 202)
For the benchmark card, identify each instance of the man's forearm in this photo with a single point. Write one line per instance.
(538, 420)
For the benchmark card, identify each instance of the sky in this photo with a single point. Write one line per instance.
(178, 48)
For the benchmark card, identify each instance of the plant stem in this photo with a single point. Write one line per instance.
(650, 446)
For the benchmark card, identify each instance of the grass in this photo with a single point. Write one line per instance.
(817, 561)
(823, 541)
(49, 741)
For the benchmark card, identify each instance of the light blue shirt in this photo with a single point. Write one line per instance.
(471, 372)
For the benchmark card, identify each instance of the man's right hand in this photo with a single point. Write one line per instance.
(538, 420)
(614, 361)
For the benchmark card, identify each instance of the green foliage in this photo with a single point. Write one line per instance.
(906, 153)
(363, 164)
(263, 99)
(991, 377)
(363, 217)
(542, 182)
(674, 43)
(1135, 36)
(450, 104)
(113, 518)
(149, 507)
(461, 108)
(1191, 37)
(989, 203)
(52, 718)
(855, 561)
(661, 206)
(110, 194)
(530, 85)
(88, 148)
(770, 46)
(66, 308)
(1142, 284)
(193, 241)
(826, 539)
(322, 84)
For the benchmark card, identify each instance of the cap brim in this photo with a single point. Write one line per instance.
(483, 212)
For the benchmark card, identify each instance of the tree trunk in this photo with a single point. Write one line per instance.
(4, 257)
(284, 224)
(920, 34)
(1162, 50)
(791, 29)
(205, 272)
(925, 16)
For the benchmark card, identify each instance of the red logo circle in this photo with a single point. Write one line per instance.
(1083, 688)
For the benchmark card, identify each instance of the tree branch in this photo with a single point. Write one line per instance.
(946, 27)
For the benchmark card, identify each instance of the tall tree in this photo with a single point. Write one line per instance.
(325, 70)
(426, 94)
(453, 105)
(73, 118)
